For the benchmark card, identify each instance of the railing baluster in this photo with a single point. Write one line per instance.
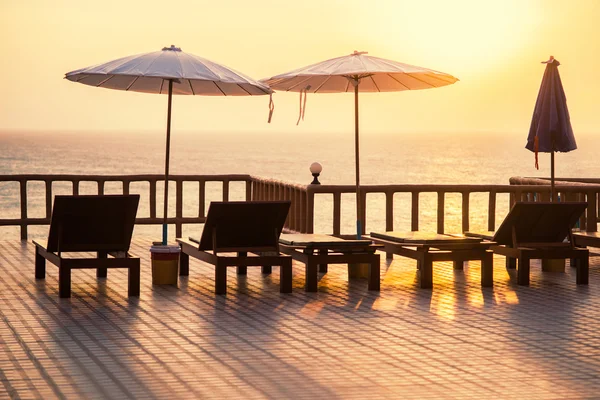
(592, 223)
(441, 208)
(100, 186)
(337, 213)
(201, 198)
(225, 190)
(178, 207)
(23, 190)
(492, 211)
(152, 195)
(414, 212)
(250, 189)
(75, 183)
(48, 198)
(465, 211)
(363, 210)
(310, 216)
(389, 211)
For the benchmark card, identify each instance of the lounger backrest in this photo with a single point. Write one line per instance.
(92, 223)
(539, 222)
(244, 225)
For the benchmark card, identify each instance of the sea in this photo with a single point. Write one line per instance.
(385, 158)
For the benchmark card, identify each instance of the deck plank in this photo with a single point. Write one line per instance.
(457, 340)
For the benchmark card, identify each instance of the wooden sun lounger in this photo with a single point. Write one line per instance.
(586, 239)
(316, 251)
(251, 231)
(540, 230)
(100, 224)
(429, 247)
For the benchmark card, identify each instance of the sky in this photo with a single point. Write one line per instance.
(493, 47)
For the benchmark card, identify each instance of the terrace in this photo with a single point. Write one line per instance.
(456, 341)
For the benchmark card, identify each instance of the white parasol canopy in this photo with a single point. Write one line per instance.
(169, 71)
(357, 72)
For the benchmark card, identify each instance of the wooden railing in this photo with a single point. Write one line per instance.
(517, 193)
(302, 213)
(269, 189)
(126, 180)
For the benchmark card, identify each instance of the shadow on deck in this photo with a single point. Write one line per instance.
(457, 340)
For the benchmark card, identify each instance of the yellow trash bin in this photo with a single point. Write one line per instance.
(165, 264)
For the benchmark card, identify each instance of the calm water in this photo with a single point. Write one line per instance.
(385, 159)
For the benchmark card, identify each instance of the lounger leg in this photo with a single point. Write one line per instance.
(102, 272)
(487, 269)
(458, 264)
(323, 267)
(242, 270)
(374, 273)
(573, 262)
(134, 280)
(285, 283)
(311, 278)
(511, 263)
(220, 279)
(523, 271)
(389, 255)
(426, 272)
(64, 282)
(583, 270)
(266, 269)
(40, 265)
(184, 264)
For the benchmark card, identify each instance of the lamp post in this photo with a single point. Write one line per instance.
(315, 170)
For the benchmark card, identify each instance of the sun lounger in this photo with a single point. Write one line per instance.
(316, 251)
(101, 224)
(250, 230)
(539, 230)
(585, 239)
(429, 247)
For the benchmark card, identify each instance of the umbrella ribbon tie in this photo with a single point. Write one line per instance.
(536, 145)
(271, 107)
(302, 105)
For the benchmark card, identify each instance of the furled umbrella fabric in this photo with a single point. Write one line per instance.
(169, 71)
(356, 73)
(550, 129)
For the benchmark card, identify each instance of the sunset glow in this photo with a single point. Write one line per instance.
(494, 48)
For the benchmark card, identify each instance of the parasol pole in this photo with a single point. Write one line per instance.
(552, 188)
(356, 81)
(166, 202)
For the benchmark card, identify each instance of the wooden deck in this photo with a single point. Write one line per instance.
(458, 340)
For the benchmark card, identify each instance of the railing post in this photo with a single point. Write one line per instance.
(363, 211)
(465, 211)
(201, 198)
(310, 211)
(441, 208)
(152, 195)
(178, 207)
(48, 198)
(250, 190)
(592, 223)
(23, 190)
(337, 213)
(389, 211)
(414, 211)
(492, 211)
(225, 190)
